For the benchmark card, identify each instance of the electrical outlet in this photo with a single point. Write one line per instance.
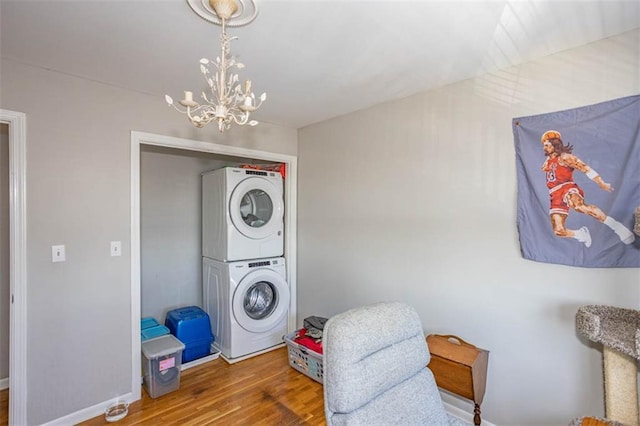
(116, 248)
(58, 254)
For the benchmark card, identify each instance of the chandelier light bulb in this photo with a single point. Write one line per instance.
(227, 101)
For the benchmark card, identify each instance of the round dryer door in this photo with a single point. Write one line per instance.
(261, 300)
(256, 208)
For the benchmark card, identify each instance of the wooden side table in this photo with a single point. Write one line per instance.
(460, 368)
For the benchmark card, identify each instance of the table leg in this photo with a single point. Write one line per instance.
(476, 415)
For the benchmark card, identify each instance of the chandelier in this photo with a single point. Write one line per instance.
(229, 100)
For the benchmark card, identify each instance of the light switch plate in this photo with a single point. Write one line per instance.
(58, 254)
(116, 248)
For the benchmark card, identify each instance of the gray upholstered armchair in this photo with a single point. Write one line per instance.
(375, 369)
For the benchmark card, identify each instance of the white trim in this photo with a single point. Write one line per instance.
(4, 383)
(291, 238)
(290, 185)
(136, 358)
(87, 413)
(18, 265)
(459, 413)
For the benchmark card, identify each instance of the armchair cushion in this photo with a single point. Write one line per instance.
(375, 369)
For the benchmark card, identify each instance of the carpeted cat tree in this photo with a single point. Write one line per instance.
(618, 330)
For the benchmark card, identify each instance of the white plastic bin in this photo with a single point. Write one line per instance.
(161, 362)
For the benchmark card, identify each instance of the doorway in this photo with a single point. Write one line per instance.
(141, 140)
(16, 136)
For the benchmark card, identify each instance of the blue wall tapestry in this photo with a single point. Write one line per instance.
(579, 184)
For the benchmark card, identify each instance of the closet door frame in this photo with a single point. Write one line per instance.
(290, 217)
(17, 122)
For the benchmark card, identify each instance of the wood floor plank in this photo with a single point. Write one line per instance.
(263, 390)
(4, 407)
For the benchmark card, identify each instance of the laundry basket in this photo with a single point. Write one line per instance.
(303, 359)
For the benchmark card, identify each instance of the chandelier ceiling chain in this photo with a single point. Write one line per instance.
(229, 102)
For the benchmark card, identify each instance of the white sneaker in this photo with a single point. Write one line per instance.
(584, 236)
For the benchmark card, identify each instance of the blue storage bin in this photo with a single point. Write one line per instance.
(191, 325)
(150, 329)
(148, 322)
(153, 332)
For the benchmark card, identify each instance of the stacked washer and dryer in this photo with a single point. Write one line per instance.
(245, 291)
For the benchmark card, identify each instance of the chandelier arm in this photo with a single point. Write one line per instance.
(195, 109)
(240, 121)
(208, 117)
(191, 117)
(245, 119)
(178, 109)
(187, 111)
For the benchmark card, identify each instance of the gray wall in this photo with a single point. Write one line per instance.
(5, 289)
(78, 194)
(415, 200)
(170, 227)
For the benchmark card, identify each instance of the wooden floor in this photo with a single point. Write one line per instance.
(263, 390)
(4, 407)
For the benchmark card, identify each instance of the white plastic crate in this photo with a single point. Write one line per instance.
(303, 359)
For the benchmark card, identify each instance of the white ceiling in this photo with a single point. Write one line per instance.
(315, 59)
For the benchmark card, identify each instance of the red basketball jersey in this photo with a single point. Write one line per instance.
(557, 173)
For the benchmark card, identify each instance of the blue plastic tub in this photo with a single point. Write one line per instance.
(148, 322)
(191, 325)
(153, 332)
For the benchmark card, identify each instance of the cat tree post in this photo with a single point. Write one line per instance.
(618, 330)
(620, 387)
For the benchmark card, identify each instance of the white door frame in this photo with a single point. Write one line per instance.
(17, 122)
(290, 248)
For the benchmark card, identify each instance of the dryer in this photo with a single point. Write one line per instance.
(242, 214)
(247, 303)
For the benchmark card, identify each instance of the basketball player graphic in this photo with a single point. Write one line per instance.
(565, 193)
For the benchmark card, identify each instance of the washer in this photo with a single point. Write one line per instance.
(247, 303)
(242, 214)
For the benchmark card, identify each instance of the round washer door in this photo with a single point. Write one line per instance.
(256, 208)
(261, 300)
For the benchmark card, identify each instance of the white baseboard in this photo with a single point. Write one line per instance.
(88, 413)
(99, 409)
(4, 383)
(465, 416)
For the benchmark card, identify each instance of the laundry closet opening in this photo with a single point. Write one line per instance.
(171, 226)
(167, 256)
